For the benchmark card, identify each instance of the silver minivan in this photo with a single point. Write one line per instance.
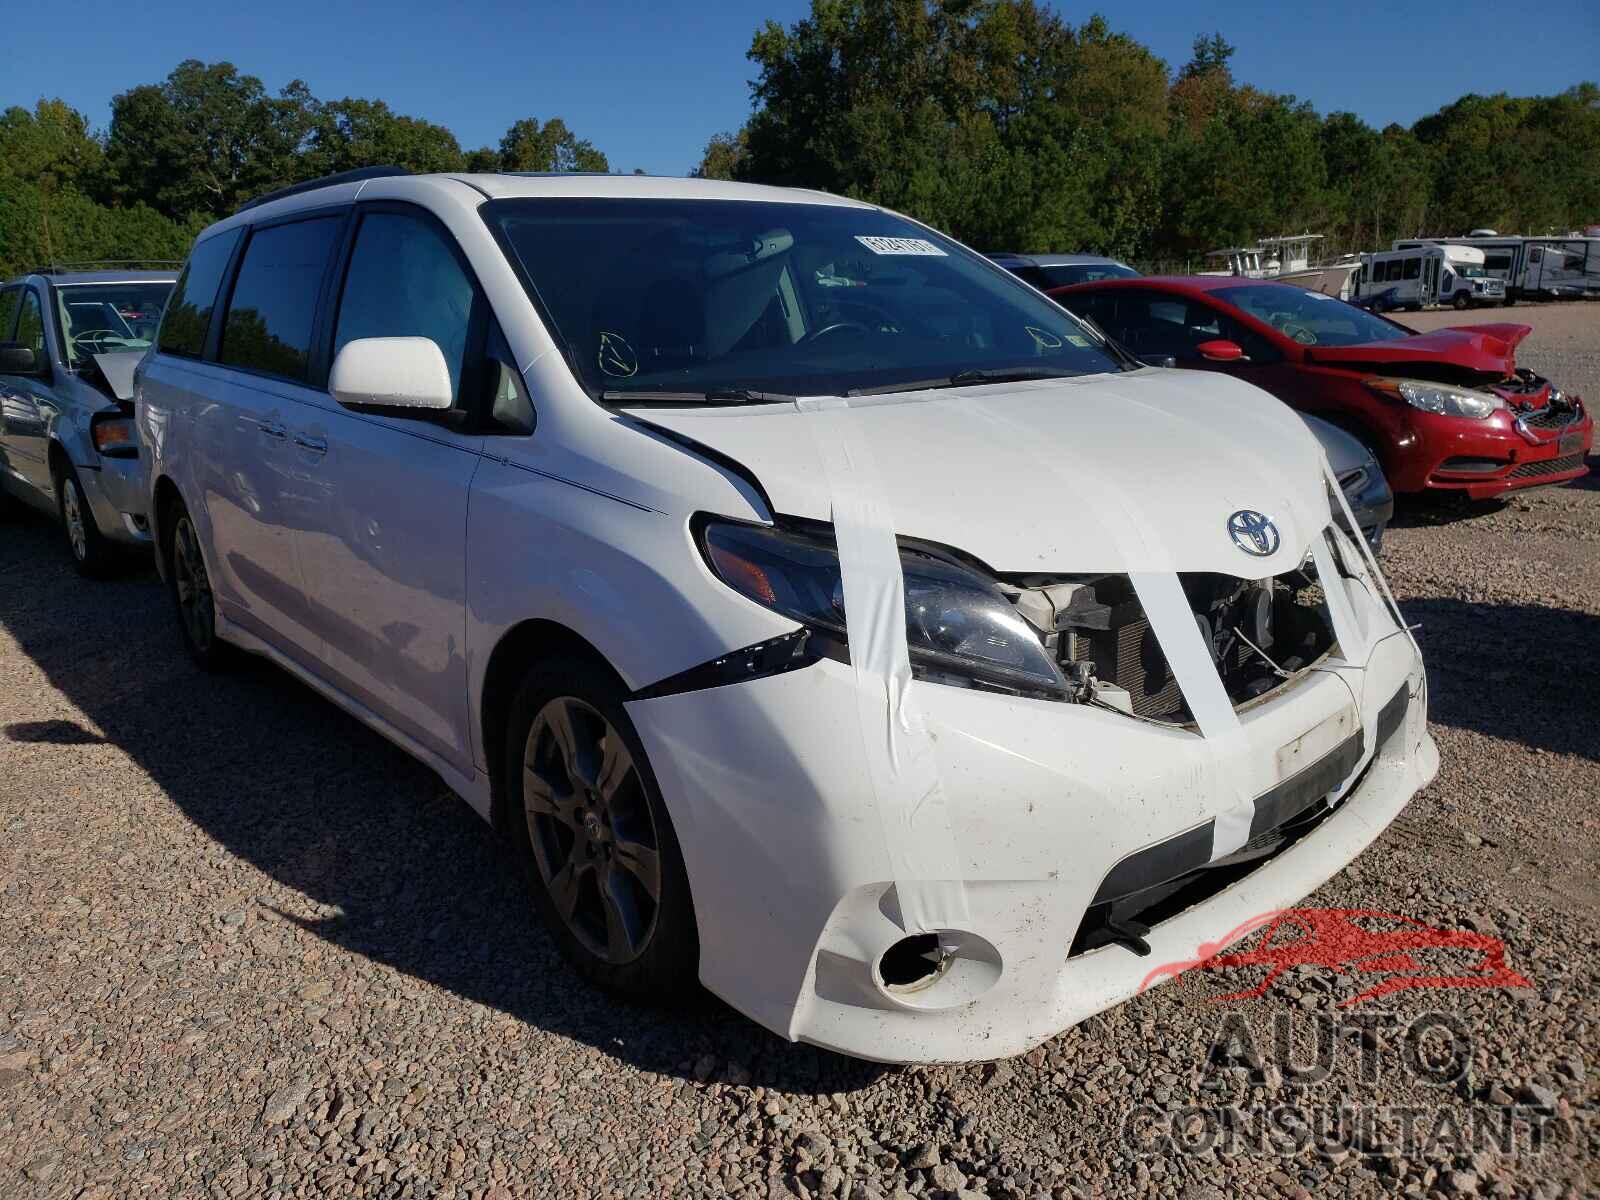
(69, 341)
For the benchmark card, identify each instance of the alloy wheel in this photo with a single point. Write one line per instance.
(72, 512)
(591, 829)
(193, 586)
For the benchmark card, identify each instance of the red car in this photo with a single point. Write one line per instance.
(1443, 411)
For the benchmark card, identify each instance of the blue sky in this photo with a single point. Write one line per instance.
(649, 82)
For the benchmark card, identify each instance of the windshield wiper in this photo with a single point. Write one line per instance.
(968, 378)
(716, 395)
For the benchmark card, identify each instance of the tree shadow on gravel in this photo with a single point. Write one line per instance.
(1519, 672)
(311, 797)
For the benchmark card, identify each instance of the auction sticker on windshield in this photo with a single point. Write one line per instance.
(900, 245)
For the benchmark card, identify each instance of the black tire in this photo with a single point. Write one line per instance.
(1460, 302)
(564, 823)
(1510, 302)
(93, 555)
(189, 585)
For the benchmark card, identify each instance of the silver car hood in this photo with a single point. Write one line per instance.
(1126, 472)
(118, 367)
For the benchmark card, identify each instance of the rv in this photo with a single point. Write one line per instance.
(1547, 268)
(1424, 274)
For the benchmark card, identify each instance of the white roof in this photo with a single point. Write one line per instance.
(470, 190)
(653, 187)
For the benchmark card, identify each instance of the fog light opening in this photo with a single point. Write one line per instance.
(913, 963)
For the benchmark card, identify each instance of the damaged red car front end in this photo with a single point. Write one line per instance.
(1539, 438)
(1447, 411)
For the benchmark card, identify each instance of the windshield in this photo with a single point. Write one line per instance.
(698, 296)
(1468, 270)
(1062, 275)
(98, 318)
(1310, 318)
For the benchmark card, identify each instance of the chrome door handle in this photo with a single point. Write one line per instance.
(272, 429)
(315, 444)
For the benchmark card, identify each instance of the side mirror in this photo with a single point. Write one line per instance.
(1221, 350)
(392, 373)
(17, 359)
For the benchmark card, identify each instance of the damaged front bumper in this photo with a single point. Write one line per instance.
(1061, 815)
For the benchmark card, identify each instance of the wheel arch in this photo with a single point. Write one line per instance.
(59, 461)
(519, 649)
(163, 496)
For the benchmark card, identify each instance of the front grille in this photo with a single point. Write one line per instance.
(1549, 417)
(1548, 466)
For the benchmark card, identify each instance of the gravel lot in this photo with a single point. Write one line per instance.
(246, 947)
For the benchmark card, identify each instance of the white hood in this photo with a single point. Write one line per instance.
(1132, 472)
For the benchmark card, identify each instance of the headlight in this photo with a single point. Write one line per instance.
(1439, 397)
(960, 627)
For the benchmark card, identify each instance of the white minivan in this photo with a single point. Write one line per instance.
(824, 615)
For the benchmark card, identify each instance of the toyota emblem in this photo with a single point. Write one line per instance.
(1253, 532)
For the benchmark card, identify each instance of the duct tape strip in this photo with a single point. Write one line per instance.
(1172, 618)
(1358, 648)
(902, 770)
(1365, 552)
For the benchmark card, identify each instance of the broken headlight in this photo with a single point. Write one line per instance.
(960, 628)
(1439, 397)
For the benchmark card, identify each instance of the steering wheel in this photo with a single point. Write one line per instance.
(96, 336)
(1293, 329)
(836, 327)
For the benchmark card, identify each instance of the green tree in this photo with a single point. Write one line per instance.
(1211, 55)
(724, 157)
(350, 133)
(204, 140)
(53, 140)
(529, 146)
(992, 118)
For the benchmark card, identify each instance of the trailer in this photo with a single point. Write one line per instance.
(1534, 268)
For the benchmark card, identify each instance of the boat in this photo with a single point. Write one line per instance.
(1287, 259)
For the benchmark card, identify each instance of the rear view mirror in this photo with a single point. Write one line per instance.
(17, 359)
(1220, 350)
(390, 373)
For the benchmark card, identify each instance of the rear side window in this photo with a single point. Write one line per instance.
(274, 303)
(183, 329)
(8, 312)
(1413, 268)
(404, 280)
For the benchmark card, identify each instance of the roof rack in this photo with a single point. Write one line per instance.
(103, 264)
(311, 185)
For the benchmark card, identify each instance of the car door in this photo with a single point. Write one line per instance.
(10, 301)
(265, 374)
(382, 541)
(30, 404)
